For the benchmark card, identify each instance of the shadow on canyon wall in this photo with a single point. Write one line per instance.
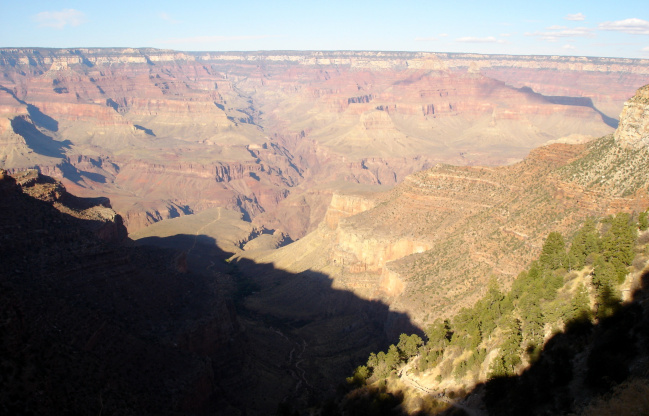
(574, 101)
(41, 119)
(77, 176)
(304, 337)
(37, 141)
(92, 326)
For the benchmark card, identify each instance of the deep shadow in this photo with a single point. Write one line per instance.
(37, 141)
(573, 101)
(112, 104)
(38, 117)
(92, 325)
(84, 60)
(313, 334)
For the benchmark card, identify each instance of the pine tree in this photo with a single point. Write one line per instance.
(490, 308)
(553, 255)
(466, 325)
(533, 322)
(392, 358)
(409, 345)
(618, 243)
(439, 334)
(604, 278)
(643, 221)
(372, 361)
(361, 374)
(505, 364)
(584, 242)
(580, 306)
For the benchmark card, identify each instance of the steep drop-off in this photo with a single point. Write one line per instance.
(94, 322)
(91, 326)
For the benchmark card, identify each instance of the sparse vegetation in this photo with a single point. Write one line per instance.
(505, 332)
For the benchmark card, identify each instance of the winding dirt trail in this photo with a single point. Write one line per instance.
(405, 378)
(294, 359)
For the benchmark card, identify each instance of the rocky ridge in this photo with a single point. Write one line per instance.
(430, 245)
(93, 326)
(633, 130)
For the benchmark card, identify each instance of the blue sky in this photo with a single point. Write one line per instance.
(549, 27)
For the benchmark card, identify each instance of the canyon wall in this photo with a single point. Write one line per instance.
(127, 329)
(167, 133)
(429, 246)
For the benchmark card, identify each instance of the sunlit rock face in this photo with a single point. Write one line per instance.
(633, 130)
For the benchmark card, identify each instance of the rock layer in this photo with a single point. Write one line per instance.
(429, 246)
(633, 130)
(181, 132)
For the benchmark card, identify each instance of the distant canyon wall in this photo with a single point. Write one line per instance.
(275, 134)
(61, 58)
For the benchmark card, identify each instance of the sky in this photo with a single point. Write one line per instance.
(549, 27)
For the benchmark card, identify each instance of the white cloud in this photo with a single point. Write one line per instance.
(60, 19)
(645, 49)
(575, 17)
(633, 26)
(557, 32)
(212, 39)
(443, 35)
(471, 39)
(568, 47)
(168, 18)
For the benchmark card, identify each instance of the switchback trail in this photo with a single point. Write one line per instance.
(405, 378)
(294, 360)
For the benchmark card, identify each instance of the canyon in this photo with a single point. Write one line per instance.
(287, 212)
(274, 134)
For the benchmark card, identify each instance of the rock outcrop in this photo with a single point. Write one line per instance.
(633, 131)
(119, 327)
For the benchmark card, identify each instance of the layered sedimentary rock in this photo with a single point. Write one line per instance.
(167, 133)
(633, 130)
(429, 246)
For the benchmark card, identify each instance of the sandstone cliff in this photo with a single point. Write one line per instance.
(633, 130)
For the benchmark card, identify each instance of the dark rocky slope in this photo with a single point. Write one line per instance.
(90, 326)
